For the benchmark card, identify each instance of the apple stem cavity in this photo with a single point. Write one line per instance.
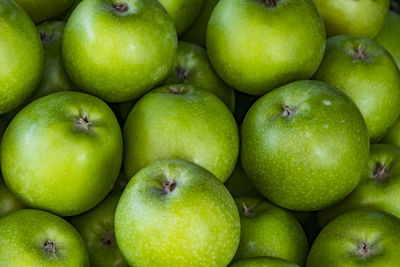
(182, 74)
(288, 112)
(83, 123)
(270, 3)
(121, 8)
(247, 211)
(364, 250)
(381, 174)
(169, 186)
(49, 247)
(108, 239)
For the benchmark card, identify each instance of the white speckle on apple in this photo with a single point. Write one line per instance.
(327, 102)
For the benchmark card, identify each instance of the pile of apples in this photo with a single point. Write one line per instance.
(239, 133)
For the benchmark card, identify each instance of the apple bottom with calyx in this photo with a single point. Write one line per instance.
(263, 262)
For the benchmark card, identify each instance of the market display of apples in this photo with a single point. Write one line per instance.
(243, 133)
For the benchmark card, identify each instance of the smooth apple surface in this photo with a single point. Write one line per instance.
(389, 36)
(304, 145)
(263, 262)
(8, 201)
(393, 135)
(240, 185)
(41, 10)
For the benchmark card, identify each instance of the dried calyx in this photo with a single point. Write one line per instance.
(169, 186)
(381, 173)
(288, 112)
(175, 90)
(45, 37)
(181, 73)
(247, 211)
(363, 249)
(271, 3)
(49, 247)
(83, 123)
(108, 239)
(359, 52)
(121, 8)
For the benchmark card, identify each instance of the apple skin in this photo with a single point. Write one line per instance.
(182, 12)
(185, 122)
(362, 18)
(379, 188)
(175, 213)
(97, 229)
(8, 201)
(41, 10)
(115, 55)
(361, 237)
(304, 145)
(24, 233)
(267, 230)
(193, 67)
(22, 56)
(393, 135)
(240, 185)
(389, 36)
(367, 73)
(263, 262)
(255, 47)
(62, 153)
(197, 32)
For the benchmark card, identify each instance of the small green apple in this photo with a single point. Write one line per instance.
(267, 230)
(8, 201)
(41, 10)
(175, 213)
(362, 18)
(193, 67)
(21, 56)
(393, 135)
(361, 237)
(304, 145)
(181, 121)
(389, 36)
(97, 229)
(62, 153)
(264, 262)
(258, 45)
(367, 73)
(36, 238)
(119, 50)
(240, 185)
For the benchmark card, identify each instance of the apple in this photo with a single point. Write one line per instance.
(379, 188)
(175, 213)
(367, 73)
(62, 153)
(38, 238)
(182, 12)
(393, 135)
(119, 50)
(264, 262)
(21, 56)
(193, 67)
(304, 145)
(389, 36)
(197, 32)
(258, 45)
(267, 230)
(361, 237)
(8, 201)
(240, 185)
(97, 229)
(185, 122)
(41, 10)
(362, 18)
(67, 13)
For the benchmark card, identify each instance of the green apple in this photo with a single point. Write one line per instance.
(258, 45)
(389, 36)
(243, 103)
(21, 56)
(304, 145)
(367, 73)
(193, 67)
(240, 185)
(197, 32)
(175, 213)
(379, 188)
(97, 229)
(37, 238)
(41, 10)
(362, 18)
(62, 153)
(267, 230)
(361, 237)
(263, 262)
(185, 122)
(393, 135)
(67, 13)
(119, 50)
(182, 12)
(8, 201)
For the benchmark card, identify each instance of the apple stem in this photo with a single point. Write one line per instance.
(83, 123)
(49, 247)
(169, 186)
(271, 3)
(288, 112)
(121, 8)
(381, 173)
(182, 74)
(247, 211)
(175, 90)
(108, 239)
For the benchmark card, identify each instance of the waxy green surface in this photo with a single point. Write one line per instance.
(389, 36)
(263, 262)
(41, 10)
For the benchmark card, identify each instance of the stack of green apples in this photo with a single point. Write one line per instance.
(243, 133)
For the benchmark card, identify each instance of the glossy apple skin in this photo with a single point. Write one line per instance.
(21, 56)
(269, 231)
(373, 191)
(182, 12)
(119, 56)
(362, 18)
(373, 82)
(184, 122)
(197, 224)
(255, 47)
(41, 10)
(240, 185)
(263, 262)
(193, 67)
(197, 32)
(312, 159)
(393, 136)
(23, 233)
(8, 201)
(52, 163)
(339, 241)
(97, 229)
(389, 36)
